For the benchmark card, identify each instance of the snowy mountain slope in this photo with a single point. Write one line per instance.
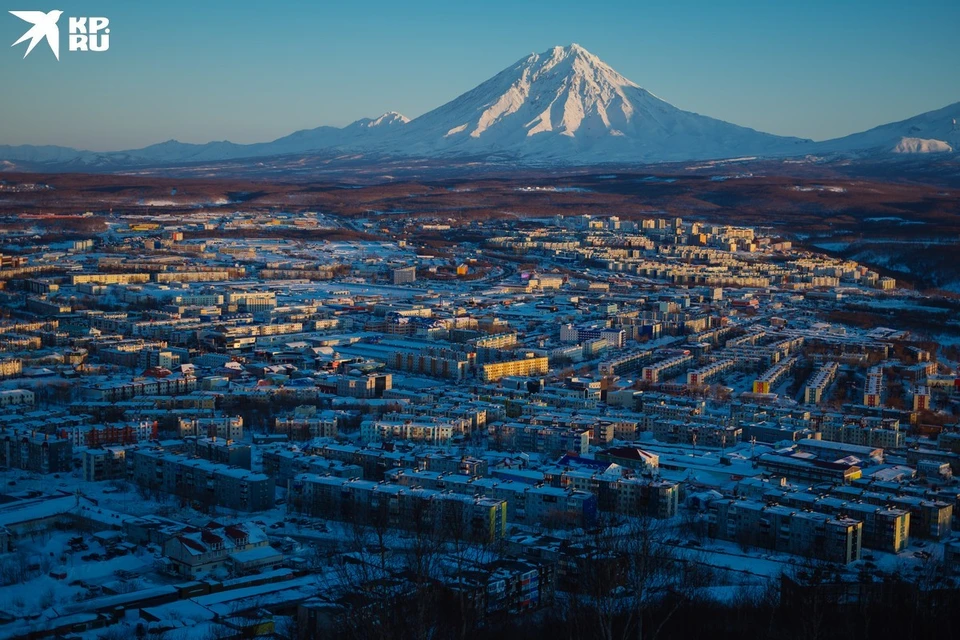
(922, 145)
(391, 119)
(567, 104)
(931, 132)
(39, 153)
(362, 133)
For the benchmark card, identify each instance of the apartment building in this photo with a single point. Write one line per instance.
(615, 338)
(35, 452)
(10, 342)
(772, 375)
(467, 416)
(784, 529)
(406, 275)
(818, 384)
(887, 284)
(929, 517)
(526, 503)
(252, 301)
(493, 371)
(228, 452)
(222, 427)
(506, 340)
(448, 515)
(450, 463)
(873, 389)
(656, 498)
(884, 528)
(96, 435)
(204, 275)
(626, 363)
(709, 371)
(665, 368)
(864, 431)
(307, 426)
(109, 278)
(918, 456)
(10, 367)
(371, 385)
(109, 463)
(282, 463)
(656, 407)
(624, 494)
(438, 363)
(622, 429)
(700, 432)
(436, 433)
(921, 399)
(532, 438)
(115, 392)
(16, 397)
(207, 483)
(375, 461)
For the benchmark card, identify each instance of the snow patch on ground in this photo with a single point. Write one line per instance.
(456, 130)
(735, 176)
(832, 246)
(895, 219)
(922, 145)
(658, 179)
(820, 187)
(553, 189)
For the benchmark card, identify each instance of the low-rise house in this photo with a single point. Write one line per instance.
(199, 551)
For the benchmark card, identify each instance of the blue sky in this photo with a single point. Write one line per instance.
(253, 71)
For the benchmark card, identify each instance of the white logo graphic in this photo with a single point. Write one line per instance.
(44, 26)
(84, 34)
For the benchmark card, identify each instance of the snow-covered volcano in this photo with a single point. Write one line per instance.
(567, 104)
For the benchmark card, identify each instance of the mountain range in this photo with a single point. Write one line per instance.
(562, 106)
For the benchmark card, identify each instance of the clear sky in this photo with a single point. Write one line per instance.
(254, 71)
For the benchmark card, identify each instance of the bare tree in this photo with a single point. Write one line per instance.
(626, 574)
(422, 558)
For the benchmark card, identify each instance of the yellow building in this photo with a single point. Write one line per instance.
(109, 278)
(528, 367)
